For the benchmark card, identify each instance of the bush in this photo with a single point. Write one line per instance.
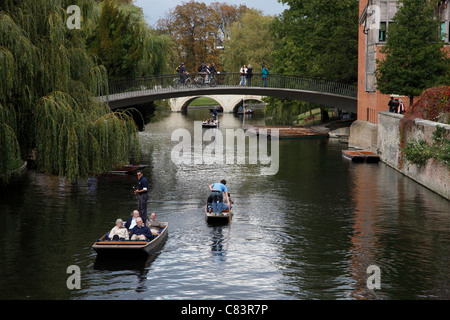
(417, 152)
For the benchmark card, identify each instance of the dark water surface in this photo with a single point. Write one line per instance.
(308, 232)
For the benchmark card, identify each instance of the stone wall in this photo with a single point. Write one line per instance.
(434, 175)
(384, 139)
(363, 135)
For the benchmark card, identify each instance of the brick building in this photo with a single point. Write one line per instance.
(374, 19)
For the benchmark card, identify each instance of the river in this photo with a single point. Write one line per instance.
(311, 231)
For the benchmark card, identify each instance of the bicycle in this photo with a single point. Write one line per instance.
(204, 79)
(176, 83)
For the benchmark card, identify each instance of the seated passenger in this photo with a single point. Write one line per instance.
(140, 231)
(210, 206)
(154, 224)
(119, 232)
(131, 222)
(225, 205)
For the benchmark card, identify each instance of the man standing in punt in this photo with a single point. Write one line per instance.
(142, 192)
(216, 192)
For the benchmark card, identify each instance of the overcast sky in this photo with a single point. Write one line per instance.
(155, 9)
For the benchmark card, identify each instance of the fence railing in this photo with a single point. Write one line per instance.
(164, 83)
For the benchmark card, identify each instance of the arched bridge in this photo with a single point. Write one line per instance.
(125, 93)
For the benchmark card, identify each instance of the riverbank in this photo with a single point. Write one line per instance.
(384, 139)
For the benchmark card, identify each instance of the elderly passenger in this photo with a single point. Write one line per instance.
(131, 222)
(140, 231)
(154, 224)
(119, 232)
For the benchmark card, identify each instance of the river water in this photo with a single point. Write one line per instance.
(308, 232)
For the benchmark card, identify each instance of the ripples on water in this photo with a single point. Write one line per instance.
(309, 232)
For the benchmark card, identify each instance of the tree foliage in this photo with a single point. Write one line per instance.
(48, 85)
(125, 44)
(199, 30)
(317, 38)
(414, 58)
(314, 38)
(250, 42)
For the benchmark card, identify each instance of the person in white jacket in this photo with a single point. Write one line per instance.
(119, 232)
(243, 74)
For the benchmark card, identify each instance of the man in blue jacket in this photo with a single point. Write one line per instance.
(140, 231)
(142, 192)
(216, 193)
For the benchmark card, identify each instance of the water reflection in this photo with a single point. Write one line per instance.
(308, 232)
(218, 249)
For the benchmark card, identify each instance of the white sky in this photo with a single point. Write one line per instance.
(155, 9)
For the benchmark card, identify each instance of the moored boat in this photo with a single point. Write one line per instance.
(126, 248)
(354, 156)
(128, 169)
(370, 156)
(222, 218)
(360, 156)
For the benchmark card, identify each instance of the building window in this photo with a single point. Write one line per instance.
(382, 33)
(443, 33)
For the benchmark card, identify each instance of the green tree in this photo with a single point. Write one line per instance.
(125, 44)
(317, 38)
(314, 38)
(48, 85)
(414, 56)
(250, 42)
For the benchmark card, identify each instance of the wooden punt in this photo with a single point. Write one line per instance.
(210, 125)
(361, 156)
(246, 112)
(370, 157)
(128, 169)
(222, 218)
(354, 156)
(290, 132)
(126, 248)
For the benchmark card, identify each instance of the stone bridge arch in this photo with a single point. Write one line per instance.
(229, 103)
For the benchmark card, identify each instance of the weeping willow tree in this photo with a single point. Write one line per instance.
(48, 85)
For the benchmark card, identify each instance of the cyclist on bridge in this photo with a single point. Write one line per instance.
(182, 73)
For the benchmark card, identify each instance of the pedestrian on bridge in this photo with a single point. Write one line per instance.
(265, 74)
(249, 75)
(243, 74)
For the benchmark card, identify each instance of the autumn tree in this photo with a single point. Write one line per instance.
(198, 30)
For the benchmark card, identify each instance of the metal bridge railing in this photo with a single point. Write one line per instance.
(164, 83)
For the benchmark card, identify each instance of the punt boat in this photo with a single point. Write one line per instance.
(126, 248)
(361, 156)
(210, 125)
(128, 169)
(222, 218)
